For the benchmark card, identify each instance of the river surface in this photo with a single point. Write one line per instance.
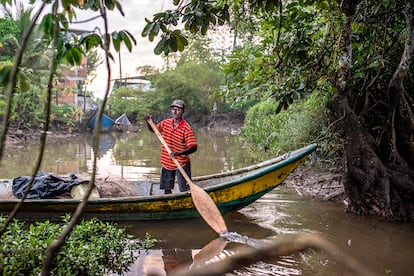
(386, 248)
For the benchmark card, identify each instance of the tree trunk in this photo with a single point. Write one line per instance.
(378, 173)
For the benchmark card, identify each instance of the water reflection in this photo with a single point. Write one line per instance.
(188, 244)
(106, 142)
(166, 261)
(128, 155)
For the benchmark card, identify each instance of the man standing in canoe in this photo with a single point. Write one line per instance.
(180, 138)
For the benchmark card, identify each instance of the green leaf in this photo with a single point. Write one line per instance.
(119, 7)
(166, 48)
(6, 2)
(73, 56)
(160, 46)
(181, 42)
(127, 42)
(47, 24)
(156, 28)
(91, 41)
(151, 37)
(163, 28)
(148, 28)
(116, 41)
(128, 39)
(110, 4)
(173, 43)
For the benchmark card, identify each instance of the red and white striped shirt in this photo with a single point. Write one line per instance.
(179, 138)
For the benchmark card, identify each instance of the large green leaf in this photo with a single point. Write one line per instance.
(116, 41)
(128, 39)
(160, 47)
(73, 56)
(90, 41)
(47, 25)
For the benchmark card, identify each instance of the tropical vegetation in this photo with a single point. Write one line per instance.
(334, 72)
(29, 95)
(105, 248)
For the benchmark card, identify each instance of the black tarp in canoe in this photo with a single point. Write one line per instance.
(44, 185)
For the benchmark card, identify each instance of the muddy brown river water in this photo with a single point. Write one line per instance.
(386, 248)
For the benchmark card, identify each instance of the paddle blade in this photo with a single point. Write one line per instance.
(207, 209)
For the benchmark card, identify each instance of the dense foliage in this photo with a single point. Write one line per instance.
(194, 78)
(126, 100)
(93, 248)
(9, 31)
(28, 104)
(303, 122)
(193, 82)
(29, 97)
(283, 63)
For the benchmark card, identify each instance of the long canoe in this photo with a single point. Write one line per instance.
(231, 191)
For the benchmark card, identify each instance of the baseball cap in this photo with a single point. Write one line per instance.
(178, 103)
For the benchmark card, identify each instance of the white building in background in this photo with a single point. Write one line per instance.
(139, 82)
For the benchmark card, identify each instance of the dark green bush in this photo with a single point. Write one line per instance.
(93, 248)
(304, 122)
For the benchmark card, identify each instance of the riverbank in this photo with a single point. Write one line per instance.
(16, 137)
(324, 184)
(230, 123)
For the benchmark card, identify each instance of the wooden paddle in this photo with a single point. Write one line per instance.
(202, 201)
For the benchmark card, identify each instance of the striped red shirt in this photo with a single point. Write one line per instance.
(179, 138)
